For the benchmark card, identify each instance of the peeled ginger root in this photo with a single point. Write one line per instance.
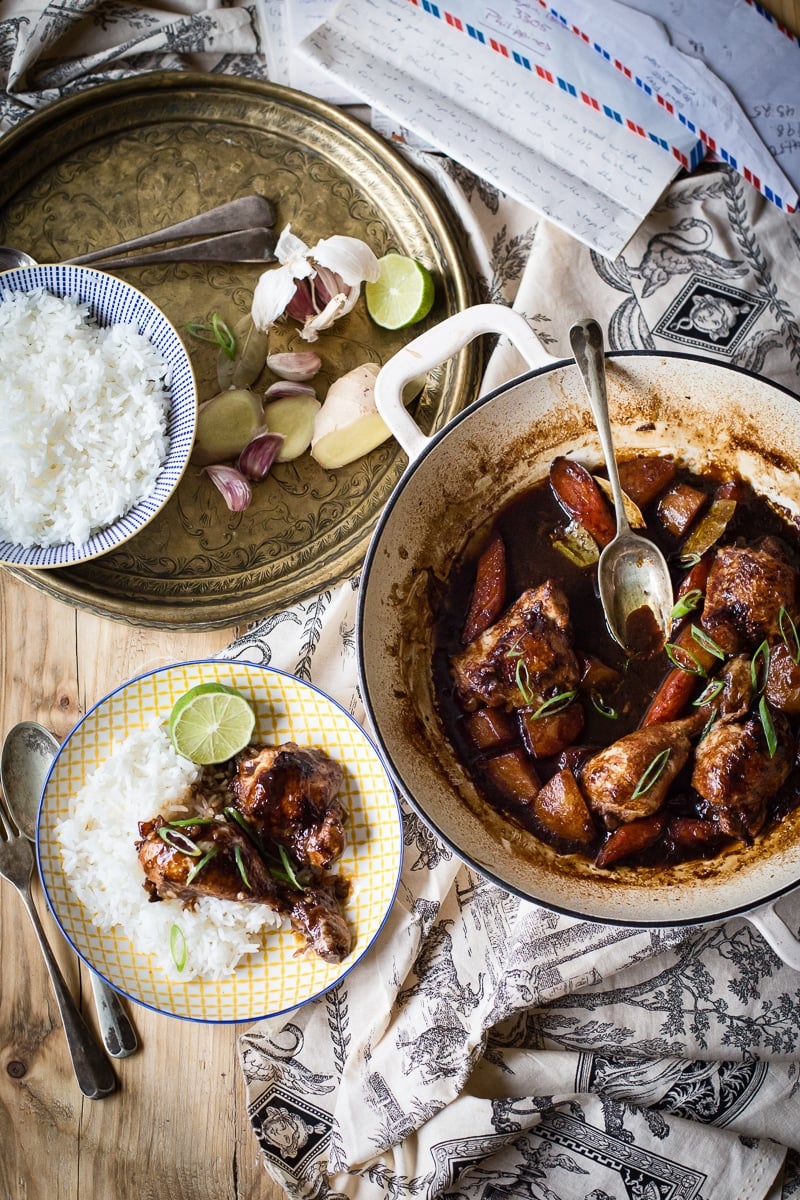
(225, 424)
(349, 425)
(292, 416)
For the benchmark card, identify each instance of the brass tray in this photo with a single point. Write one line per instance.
(130, 156)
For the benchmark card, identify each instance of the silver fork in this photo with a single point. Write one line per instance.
(92, 1069)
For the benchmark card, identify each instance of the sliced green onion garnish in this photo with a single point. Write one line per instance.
(515, 649)
(198, 866)
(766, 724)
(604, 709)
(709, 692)
(708, 643)
(690, 560)
(233, 814)
(237, 854)
(674, 653)
(686, 604)
(179, 841)
(710, 720)
(177, 946)
(759, 667)
(288, 868)
(522, 677)
(217, 332)
(184, 822)
(789, 634)
(555, 704)
(651, 773)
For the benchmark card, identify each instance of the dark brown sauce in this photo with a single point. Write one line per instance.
(528, 525)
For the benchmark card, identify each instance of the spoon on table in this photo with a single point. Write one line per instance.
(632, 575)
(28, 751)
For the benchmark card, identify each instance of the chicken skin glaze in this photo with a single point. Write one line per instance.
(290, 801)
(635, 758)
(288, 794)
(168, 867)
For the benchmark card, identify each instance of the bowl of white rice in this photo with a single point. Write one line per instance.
(98, 415)
(216, 960)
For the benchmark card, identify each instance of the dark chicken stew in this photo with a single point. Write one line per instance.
(645, 758)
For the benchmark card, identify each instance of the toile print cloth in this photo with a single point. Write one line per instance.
(487, 1047)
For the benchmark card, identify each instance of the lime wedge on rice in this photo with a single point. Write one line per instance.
(210, 723)
(402, 294)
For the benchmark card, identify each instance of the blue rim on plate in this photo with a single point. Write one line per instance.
(110, 301)
(275, 979)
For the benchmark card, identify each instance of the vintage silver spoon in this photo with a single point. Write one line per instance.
(245, 215)
(632, 574)
(243, 246)
(27, 753)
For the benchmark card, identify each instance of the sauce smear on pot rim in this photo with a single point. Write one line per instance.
(647, 759)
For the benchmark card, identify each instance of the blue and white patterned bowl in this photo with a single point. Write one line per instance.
(110, 301)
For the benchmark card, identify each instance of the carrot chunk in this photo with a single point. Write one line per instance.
(489, 592)
(582, 499)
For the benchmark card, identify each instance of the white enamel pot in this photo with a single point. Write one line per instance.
(455, 482)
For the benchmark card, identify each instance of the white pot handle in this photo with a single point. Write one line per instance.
(435, 346)
(776, 932)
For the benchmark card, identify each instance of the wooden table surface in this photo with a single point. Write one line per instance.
(177, 1124)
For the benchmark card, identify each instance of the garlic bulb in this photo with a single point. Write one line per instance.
(315, 285)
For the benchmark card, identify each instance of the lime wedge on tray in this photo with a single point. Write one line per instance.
(402, 294)
(210, 723)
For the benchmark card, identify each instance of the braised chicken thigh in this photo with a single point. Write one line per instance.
(611, 779)
(170, 870)
(648, 758)
(747, 586)
(288, 793)
(736, 772)
(274, 846)
(524, 658)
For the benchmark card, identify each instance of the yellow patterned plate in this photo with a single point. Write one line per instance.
(275, 978)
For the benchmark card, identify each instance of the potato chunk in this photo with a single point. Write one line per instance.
(562, 811)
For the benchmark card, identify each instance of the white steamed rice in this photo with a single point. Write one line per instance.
(144, 776)
(83, 419)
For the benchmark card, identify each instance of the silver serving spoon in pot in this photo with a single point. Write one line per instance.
(632, 574)
(28, 751)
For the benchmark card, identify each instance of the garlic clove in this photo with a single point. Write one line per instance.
(302, 304)
(326, 285)
(259, 454)
(287, 387)
(232, 485)
(297, 365)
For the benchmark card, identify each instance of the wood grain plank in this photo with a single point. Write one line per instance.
(40, 1105)
(177, 1125)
